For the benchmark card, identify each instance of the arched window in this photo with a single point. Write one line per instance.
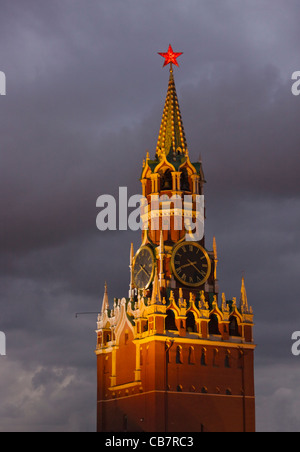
(179, 359)
(184, 181)
(192, 355)
(216, 357)
(227, 359)
(233, 327)
(191, 323)
(213, 326)
(240, 359)
(166, 180)
(145, 328)
(170, 321)
(107, 337)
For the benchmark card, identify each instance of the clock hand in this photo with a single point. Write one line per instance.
(145, 271)
(192, 263)
(186, 265)
(138, 272)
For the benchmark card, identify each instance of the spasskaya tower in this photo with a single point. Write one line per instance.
(176, 355)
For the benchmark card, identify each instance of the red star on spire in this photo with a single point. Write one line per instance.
(170, 57)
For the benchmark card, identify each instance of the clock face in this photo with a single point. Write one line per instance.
(191, 264)
(143, 268)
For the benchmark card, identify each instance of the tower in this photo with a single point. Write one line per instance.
(175, 355)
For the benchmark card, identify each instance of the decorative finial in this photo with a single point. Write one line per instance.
(105, 302)
(156, 296)
(170, 57)
(244, 301)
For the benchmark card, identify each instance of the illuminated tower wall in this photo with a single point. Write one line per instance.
(175, 355)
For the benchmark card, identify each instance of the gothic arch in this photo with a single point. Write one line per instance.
(170, 323)
(179, 357)
(185, 184)
(213, 326)
(191, 326)
(234, 326)
(166, 180)
(203, 357)
(192, 355)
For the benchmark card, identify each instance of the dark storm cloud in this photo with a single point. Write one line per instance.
(85, 93)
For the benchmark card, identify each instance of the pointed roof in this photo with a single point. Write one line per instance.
(171, 138)
(244, 300)
(105, 302)
(156, 295)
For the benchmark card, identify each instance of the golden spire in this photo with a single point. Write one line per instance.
(171, 138)
(131, 285)
(162, 243)
(156, 295)
(105, 303)
(244, 299)
(215, 256)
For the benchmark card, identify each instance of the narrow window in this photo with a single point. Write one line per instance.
(216, 358)
(191, 323)
(170, 321)
(191, 355)
(179, 355)
(227, 359)
(213, 326)
(233, 327)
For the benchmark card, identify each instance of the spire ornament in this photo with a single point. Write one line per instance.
(105, 302)
(170, 57)
(171, 139)
(244, 300)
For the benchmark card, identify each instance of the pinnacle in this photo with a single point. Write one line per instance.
(105, 302)
(171, 137)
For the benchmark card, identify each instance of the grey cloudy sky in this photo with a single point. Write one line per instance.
(85, 93)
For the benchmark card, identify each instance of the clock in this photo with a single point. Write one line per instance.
(143, 268)
(191, 264)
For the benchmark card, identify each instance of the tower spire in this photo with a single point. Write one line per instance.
(171, 138)
(105, 302)
(244, 300)
(131, 285)
(156, 295)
